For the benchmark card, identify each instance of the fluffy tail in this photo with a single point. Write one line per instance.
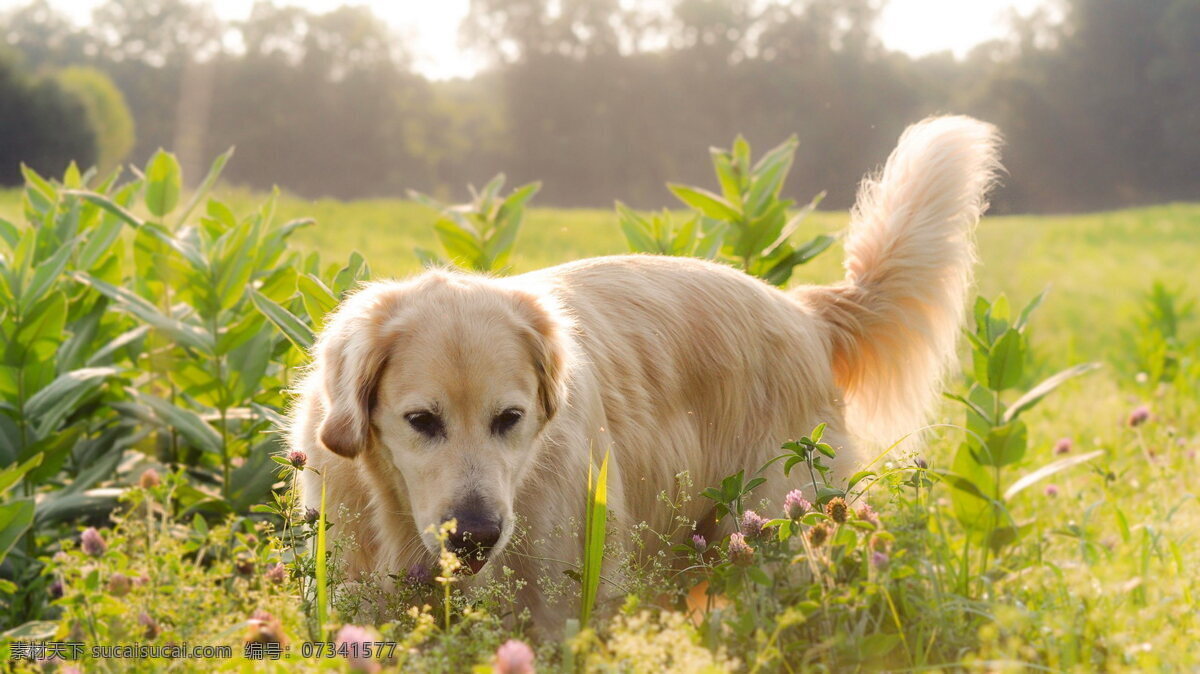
(893, 321)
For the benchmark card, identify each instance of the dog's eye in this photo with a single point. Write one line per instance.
(501, 423)
(426, 423)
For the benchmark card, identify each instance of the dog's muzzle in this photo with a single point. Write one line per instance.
(474, 537)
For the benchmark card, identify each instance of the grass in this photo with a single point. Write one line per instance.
(1105, 577)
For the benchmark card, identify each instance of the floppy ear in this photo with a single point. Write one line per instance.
(351, 355)
(545, 333)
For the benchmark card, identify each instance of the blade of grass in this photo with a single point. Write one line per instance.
(322, 581)
(594, 534)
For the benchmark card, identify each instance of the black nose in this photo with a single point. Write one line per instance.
(474, 537)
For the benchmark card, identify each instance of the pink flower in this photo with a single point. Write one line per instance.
(700, 543)
(297, 458)
(513, 657)
(275, 574)
(92, 542)
(879, 559)
(752, 525)
(795, 505)
(1051, 490)
(359, 643)
(867, 514)
(149, 479)
(1139, 415)
(740, 552)
(1063, 446)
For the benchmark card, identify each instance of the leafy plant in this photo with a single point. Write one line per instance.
(480, 234)
(1160, 350)
(211, 389)
(748, 224)
(659, 235)
(997, 437)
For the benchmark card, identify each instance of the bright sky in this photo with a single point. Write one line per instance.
(915, 26)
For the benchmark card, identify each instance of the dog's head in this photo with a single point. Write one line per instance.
(450, 379)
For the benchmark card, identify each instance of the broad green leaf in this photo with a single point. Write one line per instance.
(47, 274)
(1006, 445)
(186, 422)
(706, 202)
(10, 475)
(1023, 319)
(163, 184)
(293, 328)
(636, 230)
(1006, 362)
(15, 519)
(128, 301)
(318, 299)
(1047, 470)
(9, 232)
(731, 183)
(49, 406)
(460, 244)
(1043, 389)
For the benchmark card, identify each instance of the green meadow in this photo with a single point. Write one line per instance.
(1100, 574)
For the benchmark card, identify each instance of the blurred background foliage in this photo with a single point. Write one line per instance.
(1099, 99)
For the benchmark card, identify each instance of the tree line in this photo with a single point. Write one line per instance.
(602, 100)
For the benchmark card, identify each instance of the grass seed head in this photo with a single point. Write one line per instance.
(837, 510)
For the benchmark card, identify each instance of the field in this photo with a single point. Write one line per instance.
(1101, 576)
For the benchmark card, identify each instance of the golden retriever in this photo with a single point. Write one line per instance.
(455, 395)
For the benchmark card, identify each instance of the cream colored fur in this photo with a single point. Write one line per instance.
(670, 364)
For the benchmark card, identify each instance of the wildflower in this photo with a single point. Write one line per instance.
(867, 514)
(513, 657)
(92, 542)
(119, 584)
(141, 580)
(752, 525)
(356, 642)
(276, 573)
(818, 535)
(699, 542)
(740, 552)
(921, 463)
(1063, 446)
(265, 629)
(1139, 415)
(311, 515)
(150, 626)
(56, 589)
(149, 479)
(837, 510)
(1051, 490)
(251, 540)
(795, 505)
(879, 559)
(297, 458)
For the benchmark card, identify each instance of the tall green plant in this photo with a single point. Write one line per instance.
(215, 375)
(997, 437)
(481, 233)
(747, 224)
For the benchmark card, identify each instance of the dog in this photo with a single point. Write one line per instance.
(486, 400)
